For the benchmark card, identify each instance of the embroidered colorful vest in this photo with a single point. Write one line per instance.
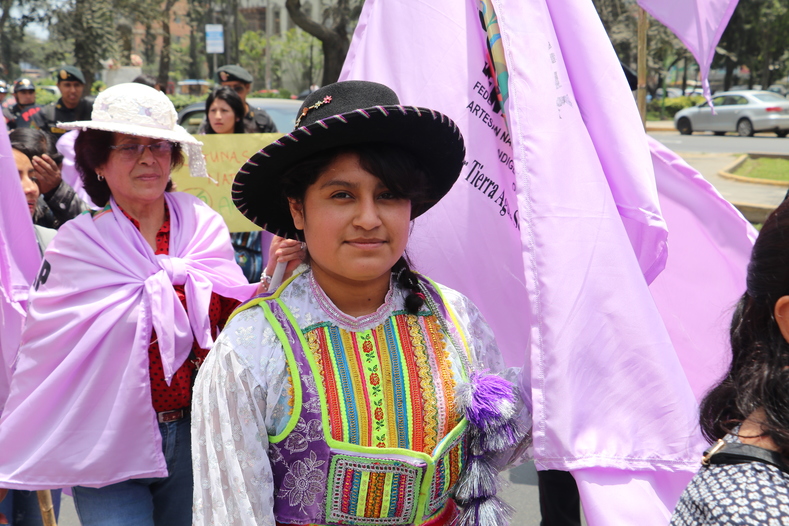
(359, 450)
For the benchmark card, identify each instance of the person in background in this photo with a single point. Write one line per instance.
(25, 108)
(149, 81)
(744, 478)
(21, 507)
(124, 311)
(7, 116)
(58, 202)
(239, 80)
(225, 111)
(71, 106)
(225, 114)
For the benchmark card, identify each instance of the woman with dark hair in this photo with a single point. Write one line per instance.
(745, 475)
(355, 393)
(225, 114)
(124, 310)
(225, 111)
(58, 201)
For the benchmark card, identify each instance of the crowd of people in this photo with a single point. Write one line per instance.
(166, 381)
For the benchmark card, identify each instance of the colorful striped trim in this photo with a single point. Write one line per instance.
(358, 487)
(383, 110)
(306, 130)
(291, 137)
(341, 118)
(253, 163)
(363, 113)
(323, 124)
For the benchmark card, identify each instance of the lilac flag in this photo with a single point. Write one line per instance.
(553, 230)
(699, 24)
(710, 244)
(19, 260)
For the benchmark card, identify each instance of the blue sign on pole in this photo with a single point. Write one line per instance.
(214, 38)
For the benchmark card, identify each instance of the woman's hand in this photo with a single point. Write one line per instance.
(47, 173)
(285, 250)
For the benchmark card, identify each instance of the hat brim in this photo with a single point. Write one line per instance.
(433, 138)
(177, 134)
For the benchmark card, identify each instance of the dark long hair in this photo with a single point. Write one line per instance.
(233, 100)
(92, 150)
(32, 142)
(758, 377)
(400, 172)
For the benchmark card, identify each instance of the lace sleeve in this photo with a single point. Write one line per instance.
(233, 483)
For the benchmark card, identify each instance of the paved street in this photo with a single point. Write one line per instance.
(708, 154)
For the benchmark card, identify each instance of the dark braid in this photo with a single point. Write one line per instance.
(408, 280)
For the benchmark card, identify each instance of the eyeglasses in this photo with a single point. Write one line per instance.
(133, 151)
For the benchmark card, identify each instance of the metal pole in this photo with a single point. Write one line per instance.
(641, 94)
(269, 26)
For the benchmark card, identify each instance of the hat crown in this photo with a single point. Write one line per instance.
(344, 97)
(135, 104)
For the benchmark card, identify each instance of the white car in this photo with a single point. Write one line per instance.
(745, 112)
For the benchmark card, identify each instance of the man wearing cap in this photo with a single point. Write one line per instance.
(25, 109)
(240, 81)
(7, 117)
(70, 107)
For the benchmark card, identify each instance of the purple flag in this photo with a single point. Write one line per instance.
(19, 261)
(612, 383)
(699, 24)
(553, 229)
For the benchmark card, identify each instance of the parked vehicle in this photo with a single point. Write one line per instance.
(283, 111)
(745, 112)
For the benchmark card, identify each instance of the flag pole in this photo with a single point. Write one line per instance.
(641, 94)
(47, 508)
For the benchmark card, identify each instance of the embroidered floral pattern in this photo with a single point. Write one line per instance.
(303, 482)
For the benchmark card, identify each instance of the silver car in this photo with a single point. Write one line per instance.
(744, 112)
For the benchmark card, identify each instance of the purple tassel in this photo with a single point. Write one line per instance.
(489, 395)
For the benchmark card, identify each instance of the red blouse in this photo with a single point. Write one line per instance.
(178, 394)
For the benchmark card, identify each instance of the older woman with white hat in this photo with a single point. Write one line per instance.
(126, 304)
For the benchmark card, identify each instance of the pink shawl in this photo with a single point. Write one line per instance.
(19, 261)
(80, 410)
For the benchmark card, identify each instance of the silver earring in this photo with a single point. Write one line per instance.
(99, 177)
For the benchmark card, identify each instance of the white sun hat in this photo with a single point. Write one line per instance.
(136, 109)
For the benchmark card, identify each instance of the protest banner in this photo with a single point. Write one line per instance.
(224, 155)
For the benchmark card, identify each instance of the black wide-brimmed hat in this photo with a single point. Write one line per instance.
(344, 114)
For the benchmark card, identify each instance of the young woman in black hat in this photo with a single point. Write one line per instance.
(357, 393)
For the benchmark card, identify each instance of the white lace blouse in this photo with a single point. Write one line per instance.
(242, 394)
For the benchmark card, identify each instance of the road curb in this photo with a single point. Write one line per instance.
(726, 173)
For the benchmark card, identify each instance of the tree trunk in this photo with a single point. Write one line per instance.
(684, 75)
(164, 58)
(5, 40)
(335, 41)
(727, 80)
(194, 65)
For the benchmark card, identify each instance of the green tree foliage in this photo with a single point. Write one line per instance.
(334, 32)
(296, 57)
(15, 16)
(757, 37)
(94, 36)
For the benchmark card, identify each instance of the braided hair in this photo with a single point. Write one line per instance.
(407, 279)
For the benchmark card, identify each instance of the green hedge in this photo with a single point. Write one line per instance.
(674, 104)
